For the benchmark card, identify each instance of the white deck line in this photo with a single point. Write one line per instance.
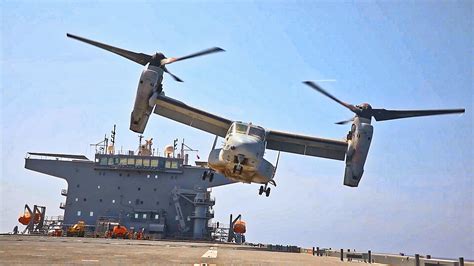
(210, 254)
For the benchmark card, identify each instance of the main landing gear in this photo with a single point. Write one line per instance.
(208, 174)
(265, 190)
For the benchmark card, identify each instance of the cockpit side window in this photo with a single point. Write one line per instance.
(241, 128)
(257, 132)
(231, 129)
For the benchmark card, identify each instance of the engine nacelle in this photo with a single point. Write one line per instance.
(148, 89)
(359, 144)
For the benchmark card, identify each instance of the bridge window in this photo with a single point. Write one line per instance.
(103, 161)
(154, 163)
(146, 162)
(138, 162)
(257, 132)
(111, 161)
(123, 161)
(131, 161)
(171, 164)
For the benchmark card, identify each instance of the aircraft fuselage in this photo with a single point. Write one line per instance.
(241, 157)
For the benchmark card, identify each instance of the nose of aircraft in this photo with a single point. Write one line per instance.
(242, 145)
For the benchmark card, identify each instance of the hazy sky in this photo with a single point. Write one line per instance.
(416, 196)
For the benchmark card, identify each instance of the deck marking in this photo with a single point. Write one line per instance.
(90, 260)
(210, 254)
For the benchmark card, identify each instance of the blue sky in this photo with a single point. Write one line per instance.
(59, 95)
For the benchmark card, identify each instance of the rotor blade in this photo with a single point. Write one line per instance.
(344, 122)
(204, 52)
(171, 74)
(383, 114)
(139, 58)
(319, 89)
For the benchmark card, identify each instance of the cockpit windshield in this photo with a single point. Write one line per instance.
(257, 131)
(241, 128)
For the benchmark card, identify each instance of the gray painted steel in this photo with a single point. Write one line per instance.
(139, 196)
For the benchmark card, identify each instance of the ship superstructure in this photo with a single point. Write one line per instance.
(161, 195)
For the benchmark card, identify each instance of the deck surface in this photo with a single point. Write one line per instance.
(72, 250)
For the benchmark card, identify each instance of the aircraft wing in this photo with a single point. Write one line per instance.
(306, 145)
(180, 112)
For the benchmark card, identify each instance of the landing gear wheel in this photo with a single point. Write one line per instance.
(260, 192)
(211, 176)
(267, 192)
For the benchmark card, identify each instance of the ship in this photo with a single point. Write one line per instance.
(162, 196)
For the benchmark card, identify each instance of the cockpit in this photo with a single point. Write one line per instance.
(247, 129)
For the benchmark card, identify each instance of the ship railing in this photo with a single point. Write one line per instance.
(212, 200)
(58, 218)
(212, 224)
(208, 201)
(55, 156)
(209, 214)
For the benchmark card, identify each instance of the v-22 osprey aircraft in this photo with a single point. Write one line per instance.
(241, 157)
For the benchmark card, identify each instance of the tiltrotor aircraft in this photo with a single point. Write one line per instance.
(241, 157)
(150, 84)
